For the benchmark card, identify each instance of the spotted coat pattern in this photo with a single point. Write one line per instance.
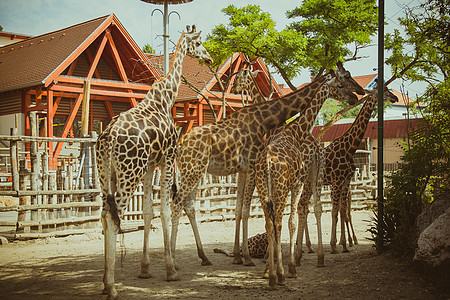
(227, 147)
(340, 167)
(131, 147)
(291, 156)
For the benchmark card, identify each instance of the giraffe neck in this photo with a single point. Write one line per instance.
(306, 120)
(255, 93)
(270, 114)
(165, 90)
(355, 133)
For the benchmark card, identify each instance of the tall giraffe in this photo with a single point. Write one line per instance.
(227, 147)
(340, 167)
(130, 148)
(291, 156)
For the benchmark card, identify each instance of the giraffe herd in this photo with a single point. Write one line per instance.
(144, 137)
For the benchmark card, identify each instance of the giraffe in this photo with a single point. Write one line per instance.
(245, 81)
(340, 167)
(130, 148)
(291, 156)
(227, 147)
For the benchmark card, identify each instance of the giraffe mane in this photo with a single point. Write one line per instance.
(173, 62)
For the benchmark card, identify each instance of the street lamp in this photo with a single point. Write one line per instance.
(166, 25)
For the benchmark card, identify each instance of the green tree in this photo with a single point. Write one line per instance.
(421, 53)
(330, 27)
(316, 42)
(148, 49)
(252, 32)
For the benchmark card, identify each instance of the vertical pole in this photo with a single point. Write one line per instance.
(166, 36)
(380, 86)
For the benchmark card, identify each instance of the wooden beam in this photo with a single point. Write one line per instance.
(103, 83)
(49, 124)
(109, 109)
(96, 59)
(69, 123)
(85, 109)
(118, 61)
(79, 90)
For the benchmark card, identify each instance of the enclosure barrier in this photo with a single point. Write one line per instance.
(42, 196)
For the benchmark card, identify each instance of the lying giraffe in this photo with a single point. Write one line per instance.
(130, 148)
(291, 156)
(340, 167)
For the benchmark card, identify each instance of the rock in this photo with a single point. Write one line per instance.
(433, 211)
(3, 240)
(433, 244)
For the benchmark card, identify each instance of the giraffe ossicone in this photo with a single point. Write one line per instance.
(131, 147)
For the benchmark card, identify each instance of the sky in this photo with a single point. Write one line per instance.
(35, 17)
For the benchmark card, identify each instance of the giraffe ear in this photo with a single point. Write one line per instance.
(255, 73)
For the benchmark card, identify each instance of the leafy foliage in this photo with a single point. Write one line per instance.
(148, 49)
(330, 26)
(252, 32)
(426, 162)
(316, 42)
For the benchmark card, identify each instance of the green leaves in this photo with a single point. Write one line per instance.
(331, 26)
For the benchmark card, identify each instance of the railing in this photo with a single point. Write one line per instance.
(37, 200)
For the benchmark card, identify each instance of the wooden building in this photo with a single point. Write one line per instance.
(47, 74)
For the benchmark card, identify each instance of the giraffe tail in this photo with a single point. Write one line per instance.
(110, 198)
(270, 205)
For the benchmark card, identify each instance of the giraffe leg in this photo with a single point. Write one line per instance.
(335, 190)
(302, 221)
(190, 212)
(247, 201)
(292, 223)
(349, 221)
(110, 235)
(343, 213)
(270, 268)
(318, 214)
(166, 179)
(242, 177)
(190, 174)
(148, 216)
(281, 277)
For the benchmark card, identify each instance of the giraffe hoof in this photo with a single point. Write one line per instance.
(292, 275)
(334, 251)
(237, 261)
(145, 275)
(206, 263)
(174, 277)
(249, 264)
(345, 250)
(310, 251)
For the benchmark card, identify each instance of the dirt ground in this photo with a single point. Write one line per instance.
(72, 268)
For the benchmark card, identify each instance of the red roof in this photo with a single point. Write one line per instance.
(202, 78)
(392, 129)
(38, 60)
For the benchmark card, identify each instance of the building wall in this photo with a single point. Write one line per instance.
(392, 151)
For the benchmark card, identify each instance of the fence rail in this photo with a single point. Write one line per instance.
(37, 200)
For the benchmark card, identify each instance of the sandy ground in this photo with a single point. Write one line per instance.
(72, 268)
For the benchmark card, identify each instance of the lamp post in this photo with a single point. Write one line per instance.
(166, 14)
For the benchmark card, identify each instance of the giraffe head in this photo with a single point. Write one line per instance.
(244, 79)
(388, 96)
(344, 79)
(195, 47)
(341, 92)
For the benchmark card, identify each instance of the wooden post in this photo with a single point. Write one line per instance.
(85, 108)
(34, 165)
(15, 159)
